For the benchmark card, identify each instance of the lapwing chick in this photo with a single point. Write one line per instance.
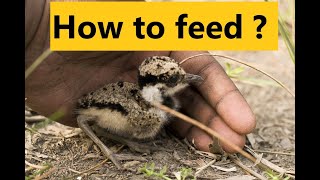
(123, 109)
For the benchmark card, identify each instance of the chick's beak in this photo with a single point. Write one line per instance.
(192, 78)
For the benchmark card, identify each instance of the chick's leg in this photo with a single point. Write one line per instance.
(83, 124)
(133, 145)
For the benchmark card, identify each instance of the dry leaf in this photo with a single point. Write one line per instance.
(242, 177)
(224, 169)
(176, 156)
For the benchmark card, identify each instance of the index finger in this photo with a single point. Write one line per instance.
(219, 91)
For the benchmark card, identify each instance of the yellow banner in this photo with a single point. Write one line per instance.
(104, 26)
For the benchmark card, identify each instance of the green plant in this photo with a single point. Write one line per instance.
(38, 172)
(285, 33)
(149, 171)
(273, 176)
(53, 117)
(235, 73)
(184, 173)
(37, 62)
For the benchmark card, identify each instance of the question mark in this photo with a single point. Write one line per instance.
(263, 22)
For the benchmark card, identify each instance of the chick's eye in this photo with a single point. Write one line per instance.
(173, 79)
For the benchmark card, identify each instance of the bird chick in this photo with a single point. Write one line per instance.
(124, 108)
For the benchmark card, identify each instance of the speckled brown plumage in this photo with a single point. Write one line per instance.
(122, 98)
(124, 108)
(160, 69)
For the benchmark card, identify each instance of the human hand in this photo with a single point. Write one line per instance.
(65, 76)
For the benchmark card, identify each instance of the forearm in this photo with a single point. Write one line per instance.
(33, 14)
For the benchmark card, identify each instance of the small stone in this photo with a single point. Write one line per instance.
(286, 144)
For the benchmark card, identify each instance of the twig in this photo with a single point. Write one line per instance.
(97, 165)
(291, 172)
(202, 153)
(28, 169)
(44, 175)
(205, 166)
(27, 113)
(224, 169)
(126, 157)
(73, 134)
(275, 152)
(204, 128)
(292, 176)
(244, 63)
(259, 158)
(88, 170)
(31, 130)
(266, 162)
(37, 118)
(34, 165)
(179, 142)
(36, 63)
(220, 163)
(236, 161)
(75, 171)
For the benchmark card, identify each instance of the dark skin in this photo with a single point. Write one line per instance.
(64, 77)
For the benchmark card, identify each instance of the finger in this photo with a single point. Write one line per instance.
(180, 128)
(201, 140)
(225, 131)
(198, 108)
(220, 92)
(189, 99)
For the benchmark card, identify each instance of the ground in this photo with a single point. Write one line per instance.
(70, 153)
